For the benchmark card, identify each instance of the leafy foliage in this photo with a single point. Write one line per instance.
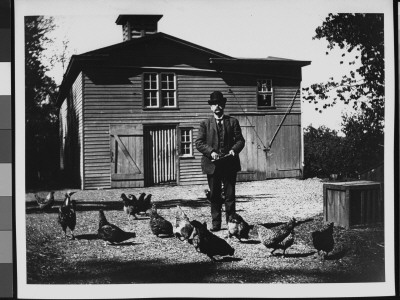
(362, 34)
(324, 152)
(40, 110)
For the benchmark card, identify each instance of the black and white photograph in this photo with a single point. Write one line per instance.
(171, 148)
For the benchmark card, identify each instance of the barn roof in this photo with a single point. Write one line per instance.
(217, 60)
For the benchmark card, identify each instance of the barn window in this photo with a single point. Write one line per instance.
(168, 90)
(265, 93)
(159, 90)
(186, 142)
(151, 90)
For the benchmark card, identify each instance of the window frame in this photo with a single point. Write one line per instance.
(159, 91)
(181, 131)
(266, 93)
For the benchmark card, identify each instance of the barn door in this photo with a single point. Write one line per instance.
(126, 142)
(252, 157)
(160, 155)
(284, 158)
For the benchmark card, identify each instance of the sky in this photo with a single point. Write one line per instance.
(245, 29)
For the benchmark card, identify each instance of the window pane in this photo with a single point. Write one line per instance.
(186, 142)
(150, 98)
(168, 98)
(264, 100)
(167, 81)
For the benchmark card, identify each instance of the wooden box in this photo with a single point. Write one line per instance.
(352, 203)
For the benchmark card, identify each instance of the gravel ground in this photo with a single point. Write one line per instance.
(358, 255)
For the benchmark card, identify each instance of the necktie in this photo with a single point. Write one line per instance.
(219, 122)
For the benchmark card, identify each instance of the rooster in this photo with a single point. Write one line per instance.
(130, 206)
(67, 215)
(238, 227)
(279, 237)
(208, 243)
(45, 203)
(323, 240)
(111, 233)
(158, 224)
(182, 229)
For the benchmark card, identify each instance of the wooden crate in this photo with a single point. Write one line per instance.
(352, 203)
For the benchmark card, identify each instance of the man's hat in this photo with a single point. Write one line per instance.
(217, 98)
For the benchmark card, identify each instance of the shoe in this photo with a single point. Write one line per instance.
(214, 229)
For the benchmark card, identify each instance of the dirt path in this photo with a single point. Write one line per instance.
(358, 255)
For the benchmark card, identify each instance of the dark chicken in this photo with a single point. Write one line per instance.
(279, 237)
(143, 203)
(111, 233)
(323, 240)
(45, 203)
(130, 206)
(208, 243)
(182, 229)
(159, 225)
(67, 215)
(238, 227)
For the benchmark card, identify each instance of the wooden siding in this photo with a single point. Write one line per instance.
(114, 96)
(71, 128)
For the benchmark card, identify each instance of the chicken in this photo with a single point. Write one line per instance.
(158, 224)
(208, 243)
(45, 203)
(67, 215)
(182, 229)
(208, 194)
(323, 240)
(279, 237)
(111, 233)
(130, 206)
(238, 227)
(143, 203)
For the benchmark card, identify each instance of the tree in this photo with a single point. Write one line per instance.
(324, 152)
(41, 134)
(360, 35)
(363, 87)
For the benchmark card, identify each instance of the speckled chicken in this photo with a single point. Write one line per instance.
(279, 237)
(208, 243)
(159, 225)
(182, 229)
(111, 233)
(238, 227)
(67, 215)
(45, 203)
(130, 206)
(323, 240)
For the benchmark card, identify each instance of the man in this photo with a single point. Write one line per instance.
(220, 140)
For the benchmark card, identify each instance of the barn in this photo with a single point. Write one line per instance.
(129, 113)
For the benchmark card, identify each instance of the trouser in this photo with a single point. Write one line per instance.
(214, 183)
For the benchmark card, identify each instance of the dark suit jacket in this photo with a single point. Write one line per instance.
(207, 142)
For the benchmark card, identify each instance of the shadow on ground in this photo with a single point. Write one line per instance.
(158, 271)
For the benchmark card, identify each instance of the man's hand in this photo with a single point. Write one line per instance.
(232, 153)
(214, 155)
